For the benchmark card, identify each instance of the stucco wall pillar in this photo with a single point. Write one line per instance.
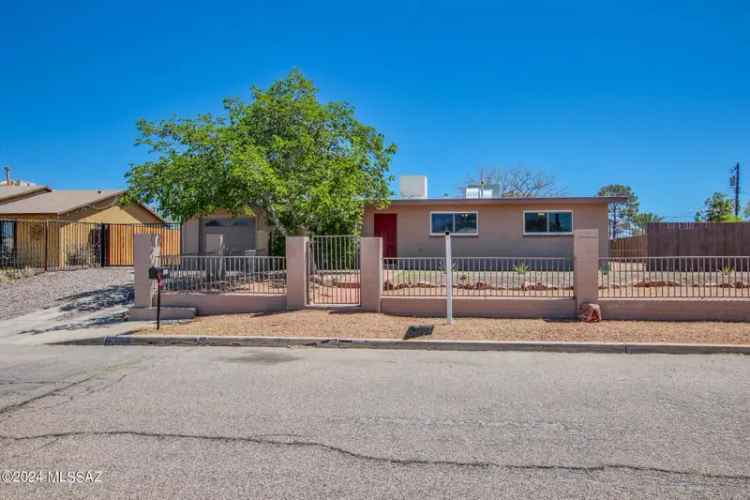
(296, 272)
(371, 273)
(146, 252)
(586, 262)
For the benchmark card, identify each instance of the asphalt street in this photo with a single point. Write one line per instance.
(209, 422)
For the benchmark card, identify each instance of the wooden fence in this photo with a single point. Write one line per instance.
(667, 239)
(119, 241)
(631, 246)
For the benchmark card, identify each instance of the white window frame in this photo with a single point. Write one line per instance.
(548, 232)
(429, 221)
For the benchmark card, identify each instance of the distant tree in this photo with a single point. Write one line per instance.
(747, 210)
(309, 166)
(621, 213)
(641, 220)
(718, 208)
(513, 182)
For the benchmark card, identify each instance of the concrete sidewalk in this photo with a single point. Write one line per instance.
(59, 324)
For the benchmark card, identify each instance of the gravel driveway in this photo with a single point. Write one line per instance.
(82, 290)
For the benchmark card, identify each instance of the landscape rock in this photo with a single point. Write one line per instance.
(590, 313)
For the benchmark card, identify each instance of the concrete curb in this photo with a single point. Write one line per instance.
(429, 345)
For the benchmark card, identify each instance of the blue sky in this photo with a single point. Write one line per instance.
(654, 96)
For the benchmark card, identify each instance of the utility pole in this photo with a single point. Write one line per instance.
(734, 181)
(737, 191)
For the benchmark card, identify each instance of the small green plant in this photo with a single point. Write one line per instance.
(727, 270)
(521, 268)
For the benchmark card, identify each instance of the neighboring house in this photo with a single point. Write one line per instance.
(99, 206)
(13, 192)
(243, 235)
(40, 227)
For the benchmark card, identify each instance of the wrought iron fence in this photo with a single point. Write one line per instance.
(333, 270)
(414, 276)
(480, 276)
(257, 275)
(676, 277)
(28, 247)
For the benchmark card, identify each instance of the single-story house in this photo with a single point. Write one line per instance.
(88, 205)
(494, 227)
(497, 227)
(414, 225)
(71, 227)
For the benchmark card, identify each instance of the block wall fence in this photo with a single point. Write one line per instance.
(586, 290)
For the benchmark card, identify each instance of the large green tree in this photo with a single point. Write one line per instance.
(309, 166)
(718, 208)
(620, 213)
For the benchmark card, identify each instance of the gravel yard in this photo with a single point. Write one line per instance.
(83, 289)
(348, 324)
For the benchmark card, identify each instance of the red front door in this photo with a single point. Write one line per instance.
(385, 227)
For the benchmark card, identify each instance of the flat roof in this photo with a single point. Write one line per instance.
(578, 200)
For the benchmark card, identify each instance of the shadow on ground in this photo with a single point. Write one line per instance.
(96, 300)
(88, 303)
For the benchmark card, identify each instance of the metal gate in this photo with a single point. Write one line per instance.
(333, 270)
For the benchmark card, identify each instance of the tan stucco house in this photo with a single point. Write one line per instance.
(86, 205)
(53, 228)
(512, 227)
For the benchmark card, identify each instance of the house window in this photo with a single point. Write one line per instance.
(7, 238)
(457, 223)
(544, 222)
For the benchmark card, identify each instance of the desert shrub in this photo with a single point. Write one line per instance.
(521, 268)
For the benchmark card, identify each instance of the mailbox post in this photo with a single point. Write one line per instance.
(157, 273)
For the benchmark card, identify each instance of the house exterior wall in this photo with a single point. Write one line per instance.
(500, 229)
(191, 233)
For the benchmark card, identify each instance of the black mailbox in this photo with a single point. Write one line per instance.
(155, 273)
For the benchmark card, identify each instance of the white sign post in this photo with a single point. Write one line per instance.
(448, 279)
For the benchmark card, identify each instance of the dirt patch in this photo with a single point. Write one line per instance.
(350, 324)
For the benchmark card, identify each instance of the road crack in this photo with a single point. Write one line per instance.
(296, 443)
(6, 410)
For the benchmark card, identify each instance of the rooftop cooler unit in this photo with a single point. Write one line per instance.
(412, 187)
